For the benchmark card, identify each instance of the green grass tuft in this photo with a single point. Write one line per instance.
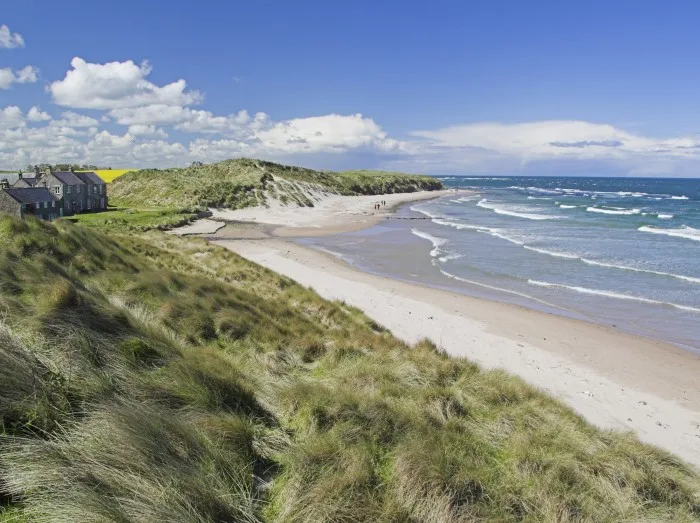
(146, 377)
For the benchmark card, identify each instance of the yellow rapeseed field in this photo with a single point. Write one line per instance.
(109, 175)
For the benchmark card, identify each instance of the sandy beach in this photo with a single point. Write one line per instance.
(331, 213)
(613, 379)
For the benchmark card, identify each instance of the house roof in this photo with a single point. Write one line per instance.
(30, 180)
(68, 178)
(31, 194)
(90, 177)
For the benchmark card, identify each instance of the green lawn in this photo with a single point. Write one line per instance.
(135, 219)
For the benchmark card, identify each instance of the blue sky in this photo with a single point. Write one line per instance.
(439, 87)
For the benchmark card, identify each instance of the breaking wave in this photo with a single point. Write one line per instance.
(611, 294)
(529, 216)
(613, 210)
(683, 232)
(437, 242)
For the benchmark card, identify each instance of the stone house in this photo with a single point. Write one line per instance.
(68, 188)
(73, 192)
(95, 191)
(29, 201)
(25, 182)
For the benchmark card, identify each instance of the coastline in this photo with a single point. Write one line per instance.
(643, 385)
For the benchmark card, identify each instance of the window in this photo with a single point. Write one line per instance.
(68, 189)
(57, 189)
(77, 189)
(89, 203)
(102, 203)
(53, 204)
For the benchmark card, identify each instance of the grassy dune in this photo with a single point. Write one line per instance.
(148, 378)
(244, 182)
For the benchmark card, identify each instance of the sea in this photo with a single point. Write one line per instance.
(623, 252)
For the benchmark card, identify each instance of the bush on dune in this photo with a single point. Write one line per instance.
(154, 378)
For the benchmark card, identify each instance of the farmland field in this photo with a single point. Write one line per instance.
(109, 175)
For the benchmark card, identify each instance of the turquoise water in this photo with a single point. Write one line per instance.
(622, 252)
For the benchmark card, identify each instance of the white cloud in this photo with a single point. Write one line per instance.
(147, 131)
(35, 114)
(71, 119)
(10, 40)
(184, 118)
(329, 133)
(489, 145)
(11, 117)
(26, 75)
(117, 85)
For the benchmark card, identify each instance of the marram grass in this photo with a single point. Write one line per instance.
(145, 377)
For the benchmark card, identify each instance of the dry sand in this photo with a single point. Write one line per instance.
(615, 380)
(330, 214)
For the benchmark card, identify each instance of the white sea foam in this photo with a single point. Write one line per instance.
(683, 232)
(663, 216)
(538, 198)
(437, 242)
(499, 289)
(552, 253)
(496, 234)
(572, 256)
(637, 269)
(594, 194)
(427, 213)
(611, 294)
(460, 226)
(529, 216)
(445, 259)
(613, 210)
(563, 206)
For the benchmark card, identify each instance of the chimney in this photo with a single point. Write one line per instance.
(37, 172)
(4, 184)
(19, 175)
(71, 169)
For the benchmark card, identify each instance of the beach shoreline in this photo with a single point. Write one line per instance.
(643, 385)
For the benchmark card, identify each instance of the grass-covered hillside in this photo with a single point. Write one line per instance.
(150, 378)
(244, 182)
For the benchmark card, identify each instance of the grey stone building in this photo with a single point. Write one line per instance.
(29, 201)
(68, 188)
(95, 191)
(25, 181)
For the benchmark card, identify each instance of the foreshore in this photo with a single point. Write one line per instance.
(613, 379)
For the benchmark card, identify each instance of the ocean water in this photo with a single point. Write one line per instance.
(617, 251)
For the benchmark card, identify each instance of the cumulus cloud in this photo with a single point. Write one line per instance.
(11, 117)
(117, 85)
(147, 131)
(72, 119)
(329, 133)
(37, 115)
(26, 75)
(8, 39)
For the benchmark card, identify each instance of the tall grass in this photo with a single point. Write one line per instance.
(154, 378)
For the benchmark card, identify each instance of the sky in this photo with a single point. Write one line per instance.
(464, 87)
